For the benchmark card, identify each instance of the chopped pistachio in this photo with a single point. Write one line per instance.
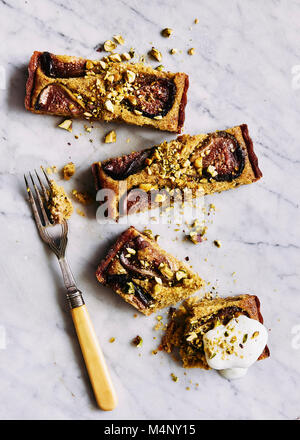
(115, 57)
(160, 68)
(109, 106)
(180, 274)
(174, 378)
(137, 341)
(109, 46)
(66, 125)
(119, 39)
(158, 280)
(112, 340)
(131, 251)
(166, 271)
(102, 64)
(87, 114)
(89, 64)
(255, 334)
(130, 288)
(245, 337)
(198, 162)
(191, 336)
(130, 76)
(148, 234)
(156, 54)
(173, 51)
(191, 51)
(111, 137)
(125, 56)
(167, 32)
(196, 21)
(211, 169)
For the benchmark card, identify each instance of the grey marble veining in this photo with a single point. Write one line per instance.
(241, 72)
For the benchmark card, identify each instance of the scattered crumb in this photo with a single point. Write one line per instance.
(155, 54)
(66, 125)
(173, 51)
(217, 243)
(167, 32)
(191, 51)
(69, 170)
(128, 140)
(188, 388)
(135, 315)
(109, 46)
(50, 170)
(110, 137)
(112, 340)
(119, 39)
(82, 197)
(154, 352)
(196, 21)
(174, 378)
(137, 341)
(79, 212)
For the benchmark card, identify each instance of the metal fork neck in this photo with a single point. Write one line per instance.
(74, 295)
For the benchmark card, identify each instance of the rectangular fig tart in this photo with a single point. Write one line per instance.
(144, 275)
(204, 164)
(190, 323)
(108, 90)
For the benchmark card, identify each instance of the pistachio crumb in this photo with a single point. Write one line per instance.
(119, 39)
(137, 341)
(217, 243)
(156, 54)
(174, 378)
(167, 32)
(109, 46)
(110, 137)
(66, 125)
(112, 340)
(191, 51)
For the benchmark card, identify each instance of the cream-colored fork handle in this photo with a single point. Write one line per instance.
(94, 360)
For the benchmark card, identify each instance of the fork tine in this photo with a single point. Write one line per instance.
(33, 206)
(41, 203)
(45, 194)
(47, 178)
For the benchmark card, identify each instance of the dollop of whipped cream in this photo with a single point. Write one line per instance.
(233, 348)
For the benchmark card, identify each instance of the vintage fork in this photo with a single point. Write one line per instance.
(56, 236)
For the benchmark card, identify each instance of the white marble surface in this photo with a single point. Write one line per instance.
(241, 72)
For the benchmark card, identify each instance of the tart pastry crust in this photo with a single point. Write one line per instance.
(109, 91)
(204, 164)
(144, 275)
(201, 316)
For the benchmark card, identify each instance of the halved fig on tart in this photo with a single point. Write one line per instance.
(152, 96)
(56, 99)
